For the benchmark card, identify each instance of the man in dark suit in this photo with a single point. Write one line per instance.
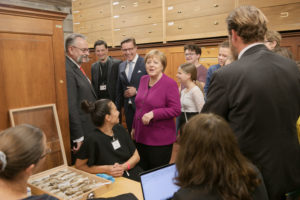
(104, 72)
(79, 88)
(130, 73)
(259, 95)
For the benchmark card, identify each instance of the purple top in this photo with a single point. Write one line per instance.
(201, 73)
(164, 100)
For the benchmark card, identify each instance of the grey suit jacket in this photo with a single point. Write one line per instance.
(79, 89)
(138, 72)
(112, 74)
(259, 95)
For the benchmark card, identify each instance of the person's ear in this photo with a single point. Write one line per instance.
(233, 35)
(107, 117)
(29, 170)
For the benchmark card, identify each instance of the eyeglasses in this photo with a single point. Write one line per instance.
(189, 54)
(84, 50)
(129, 49)
(48, 151)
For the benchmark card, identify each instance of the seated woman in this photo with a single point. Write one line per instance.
(22, 150)
(211, 166)
(109, 148)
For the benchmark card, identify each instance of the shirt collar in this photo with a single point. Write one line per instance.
(135, 59)
(74, 61)
(248, 47)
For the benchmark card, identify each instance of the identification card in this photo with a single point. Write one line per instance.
(102, 87)
(116, 144)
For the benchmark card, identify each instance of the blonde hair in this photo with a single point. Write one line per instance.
(158, 54)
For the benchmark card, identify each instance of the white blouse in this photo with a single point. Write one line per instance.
(191, 101)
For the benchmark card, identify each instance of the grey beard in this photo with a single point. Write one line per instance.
(80, 59)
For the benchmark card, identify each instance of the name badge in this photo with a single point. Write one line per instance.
(116, 144)
(102, 87)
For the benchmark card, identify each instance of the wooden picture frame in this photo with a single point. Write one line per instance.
(44, 117)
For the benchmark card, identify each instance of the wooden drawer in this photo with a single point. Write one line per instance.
(97, 12)
(129, 6)
(92, 37)
(210, 52)
(151, 16)
(93, 25)
(201, 27)
(142, 34)
(186, 10)
(285, 17)
(265, 3)
(82, 4)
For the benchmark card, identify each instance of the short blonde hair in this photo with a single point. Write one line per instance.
(157, 54)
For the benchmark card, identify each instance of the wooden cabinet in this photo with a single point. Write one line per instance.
(201, 27)
(174, 19)
(283, 17)
(32, 63)
(198, 8)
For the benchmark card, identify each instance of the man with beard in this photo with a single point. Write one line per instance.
(79, 88)
(259, 96)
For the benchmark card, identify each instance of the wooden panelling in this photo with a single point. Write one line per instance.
(197, 8)
(92, 37)
(93, 25)
(129, 6)
(28, 67)
(265, 3)
(93, 13)
(208, 26)
(150, 16)
(285, 17)
(32, 63)
(83, 4)
(143, 34)
(22, 24)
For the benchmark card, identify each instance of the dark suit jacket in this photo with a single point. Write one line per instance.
(79, 89)
(259, 95)
(112, 74)
(138, 72)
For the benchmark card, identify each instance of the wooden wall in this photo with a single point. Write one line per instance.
(32, 66)
(175, 54)
(151, 21)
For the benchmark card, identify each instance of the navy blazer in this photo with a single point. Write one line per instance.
(138, 72)
(79, 89)
(112, 77)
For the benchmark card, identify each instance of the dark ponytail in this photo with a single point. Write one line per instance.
(98, 110)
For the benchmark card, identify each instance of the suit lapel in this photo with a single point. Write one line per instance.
(82, 76)
(136, 69)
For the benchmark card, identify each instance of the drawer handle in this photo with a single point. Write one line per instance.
(179, 27)
(284, 14)
(216, 23)
(216, 5)
(149, 17)
(179, 12)
(150, 32)
(123, 7)
(61, 81)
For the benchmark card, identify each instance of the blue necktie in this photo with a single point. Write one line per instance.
(130, 71)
